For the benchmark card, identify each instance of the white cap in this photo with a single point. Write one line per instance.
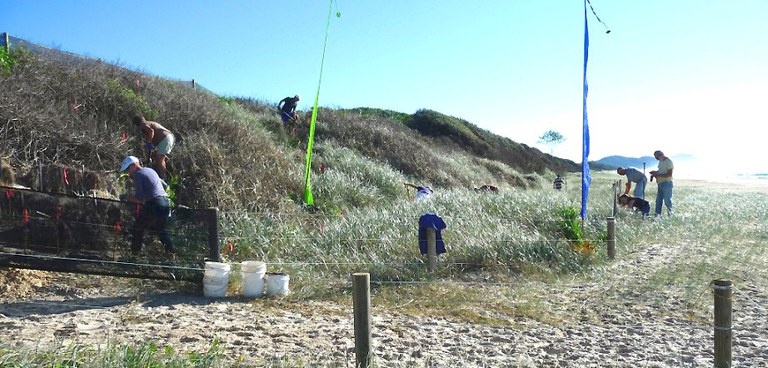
(127, 162)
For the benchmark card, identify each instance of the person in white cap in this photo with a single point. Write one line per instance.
(155, 205)
(288, 109)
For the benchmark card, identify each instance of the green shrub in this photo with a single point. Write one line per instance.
(7, 61)
(130, 98)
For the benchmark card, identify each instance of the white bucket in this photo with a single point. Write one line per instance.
(216, 279)
(252, 278)
(277, 284)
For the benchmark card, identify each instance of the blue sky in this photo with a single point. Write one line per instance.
(683, 76)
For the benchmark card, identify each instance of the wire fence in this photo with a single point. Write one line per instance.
(93, 235)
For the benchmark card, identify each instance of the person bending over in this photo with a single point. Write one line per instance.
(155, 206)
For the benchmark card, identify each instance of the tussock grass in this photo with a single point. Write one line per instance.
(111, 355)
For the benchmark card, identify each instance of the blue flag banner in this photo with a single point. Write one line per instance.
(586, 176)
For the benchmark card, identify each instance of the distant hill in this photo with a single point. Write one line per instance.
(613, 162)
(623, 161)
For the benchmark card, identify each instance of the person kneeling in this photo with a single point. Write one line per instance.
(637, 204)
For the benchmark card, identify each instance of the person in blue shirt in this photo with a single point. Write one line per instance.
(154, 205)
(634, 175)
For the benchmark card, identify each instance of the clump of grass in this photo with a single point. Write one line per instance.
(112, 355)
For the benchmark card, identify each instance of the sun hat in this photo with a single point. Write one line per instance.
(127, 162)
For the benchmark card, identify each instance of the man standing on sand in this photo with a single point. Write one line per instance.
(664, 181)
(288, 109)
(634, 175)
(159, 140)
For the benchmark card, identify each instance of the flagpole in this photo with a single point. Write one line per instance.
(586, 177)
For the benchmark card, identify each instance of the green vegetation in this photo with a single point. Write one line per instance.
(132, 100)
(7, 61)
(113, 355)
(551, 138)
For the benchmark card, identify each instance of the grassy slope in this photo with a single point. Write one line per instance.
(234, 153)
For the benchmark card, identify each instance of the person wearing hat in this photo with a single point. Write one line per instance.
(159, 139)
(634, 175)
(155, 205)
(288, 109)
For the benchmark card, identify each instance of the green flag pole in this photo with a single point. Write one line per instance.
(308, 198)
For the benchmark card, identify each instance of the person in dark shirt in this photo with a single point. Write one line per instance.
(559, 182)
(154, 205)
(635, 203)
(287, 107)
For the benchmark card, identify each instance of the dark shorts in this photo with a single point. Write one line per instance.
(287, 116)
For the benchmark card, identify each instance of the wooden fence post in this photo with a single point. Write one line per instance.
(723, 291)
(616, 186)
(7, 42)
(213, 233)
(611, 237)
(362, 313)
(431, 249)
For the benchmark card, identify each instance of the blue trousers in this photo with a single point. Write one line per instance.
(664, 195)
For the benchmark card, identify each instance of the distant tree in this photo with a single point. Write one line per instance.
(551, 138)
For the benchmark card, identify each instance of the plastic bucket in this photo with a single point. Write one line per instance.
(216, 279)
(252, 278)
(277, 284)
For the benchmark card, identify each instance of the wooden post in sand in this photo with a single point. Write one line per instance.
(723, 290)
(212, 215)
(431, 249)
(362, 313)
(611, 237)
